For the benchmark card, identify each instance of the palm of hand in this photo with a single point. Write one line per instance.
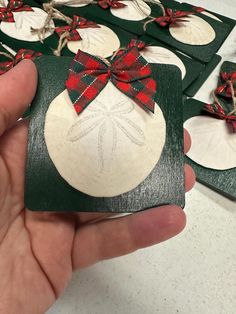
(35, 249)
(39, 251)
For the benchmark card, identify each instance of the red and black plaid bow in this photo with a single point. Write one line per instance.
(21, 54)
(174, 16)
(218, 111)
(115, 4)
(6, 13)
(130, 73)
(140, 45)
(229, 82)
(77, 22)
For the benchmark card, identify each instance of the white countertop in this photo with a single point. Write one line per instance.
(192, 273)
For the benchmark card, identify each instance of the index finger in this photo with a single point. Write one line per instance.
(17, 89)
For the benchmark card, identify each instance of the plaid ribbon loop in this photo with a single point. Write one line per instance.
(229, 82)
(77, 22)
(218, 112)
(130, 73)
(115, 4)
(175, 16)
(140, 45)
(134, 43)
(6, 13)
(21, 54)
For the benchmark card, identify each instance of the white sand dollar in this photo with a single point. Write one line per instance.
(133, 11)
(194, 31)
(213, 143)
(75, 3)
(155, 54)
(109, 148)
(24, 20)
(211, 15)
(96, 41)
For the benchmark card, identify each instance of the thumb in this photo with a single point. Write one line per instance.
(17, 89)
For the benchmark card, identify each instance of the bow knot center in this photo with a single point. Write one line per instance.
(109, 72)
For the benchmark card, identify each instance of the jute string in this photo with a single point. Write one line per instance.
(53, 13)
(152, 19)
(72, 2)
(62, 43)
(2, 4)
(216, 99)
(8, 55)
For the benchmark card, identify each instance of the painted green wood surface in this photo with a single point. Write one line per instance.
(50, 43)
(16, 44)
(94, 11)
(223, 181)
(225, 19)
(123, 36)
(203, 53)
(193, 67)
(47, 190)
(205, 73)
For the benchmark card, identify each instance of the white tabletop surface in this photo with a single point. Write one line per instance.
(192, 273)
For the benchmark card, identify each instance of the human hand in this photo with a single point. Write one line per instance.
(39, 251)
